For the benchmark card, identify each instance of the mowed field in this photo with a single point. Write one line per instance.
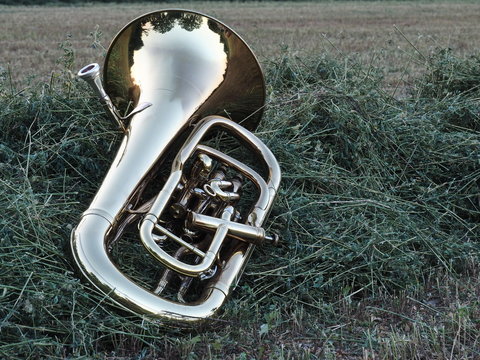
(394, 35)
(378, 210)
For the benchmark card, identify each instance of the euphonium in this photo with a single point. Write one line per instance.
(180, 77)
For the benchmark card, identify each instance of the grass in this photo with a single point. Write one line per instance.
(378, 213)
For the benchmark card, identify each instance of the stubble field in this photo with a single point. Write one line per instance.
(394, 35)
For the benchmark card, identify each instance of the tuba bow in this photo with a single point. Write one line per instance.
(186, 77)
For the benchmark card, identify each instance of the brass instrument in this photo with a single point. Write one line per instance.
(187, 77)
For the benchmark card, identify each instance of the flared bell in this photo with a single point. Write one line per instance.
(187, 57)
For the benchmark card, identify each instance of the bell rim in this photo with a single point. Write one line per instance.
(252, 121)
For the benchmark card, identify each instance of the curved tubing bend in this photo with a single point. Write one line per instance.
(89, 243)
(88, 247)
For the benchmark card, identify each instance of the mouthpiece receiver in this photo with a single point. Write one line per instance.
(91, 74)
(90, 70)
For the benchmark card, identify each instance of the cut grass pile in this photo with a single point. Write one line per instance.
(379, 204)
(376, 190)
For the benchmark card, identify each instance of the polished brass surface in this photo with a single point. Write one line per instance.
(177, 77)
(188, 61)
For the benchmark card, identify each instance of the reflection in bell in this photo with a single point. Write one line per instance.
(199, 77)
(192, 63)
